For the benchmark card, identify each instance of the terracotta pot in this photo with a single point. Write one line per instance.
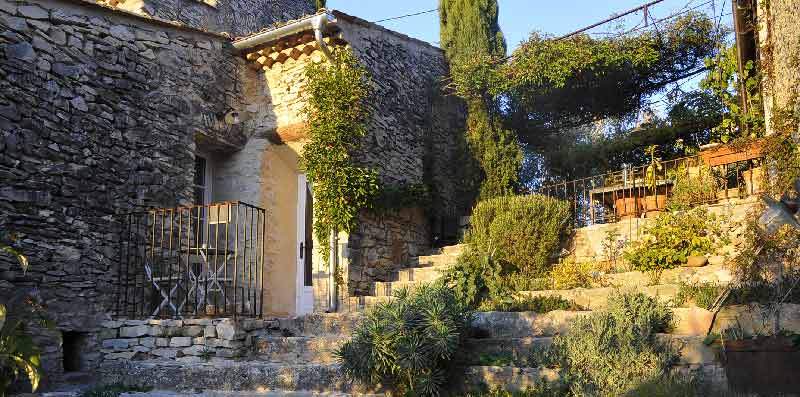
(627, 207)
(696, 261)
(653, 204)
(766, 365)
(714, 155)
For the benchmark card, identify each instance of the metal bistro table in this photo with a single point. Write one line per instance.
(206, 274)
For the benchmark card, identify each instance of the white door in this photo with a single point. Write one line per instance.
(304, 299)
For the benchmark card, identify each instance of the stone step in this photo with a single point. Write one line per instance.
(512, 379)
(597, 298)
(456, 249)
(228, 393)
(692, 349)
(517, 349)
(514, 325)
(389, 288)
(435, 260)
(299, 349)
(308, 380)
(719, 274)
(360, 303)
(422, 274)
(219, 374)
(320, 324)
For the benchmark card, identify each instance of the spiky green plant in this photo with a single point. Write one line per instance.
(18, 353)
(409, 344)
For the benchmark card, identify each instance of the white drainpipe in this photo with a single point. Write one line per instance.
(317, 23)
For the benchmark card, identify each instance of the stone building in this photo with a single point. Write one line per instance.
(124, 124)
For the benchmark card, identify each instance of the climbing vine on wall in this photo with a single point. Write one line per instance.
(725, 82)
(337, 115)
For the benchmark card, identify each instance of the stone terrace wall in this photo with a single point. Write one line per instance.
(98, 114)
(237, 17)
(195, 340)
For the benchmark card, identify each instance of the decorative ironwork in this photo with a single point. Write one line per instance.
(188, 262)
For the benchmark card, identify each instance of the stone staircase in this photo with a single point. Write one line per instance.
(297, 354)
(425, 269)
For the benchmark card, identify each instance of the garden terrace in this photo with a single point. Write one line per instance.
(716, 175)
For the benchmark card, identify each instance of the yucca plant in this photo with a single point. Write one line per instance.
(409, 345)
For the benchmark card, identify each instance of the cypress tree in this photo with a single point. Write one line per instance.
(469, 30)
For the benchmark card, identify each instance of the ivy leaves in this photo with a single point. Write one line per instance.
(337, 115)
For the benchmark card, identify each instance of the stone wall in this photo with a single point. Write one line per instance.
(190, 341)
(237, 17)
(780, 35)
(382, 244)
(414, 136)
(99, 111)
(416, 129)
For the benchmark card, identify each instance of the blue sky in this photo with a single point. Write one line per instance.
(519, 17)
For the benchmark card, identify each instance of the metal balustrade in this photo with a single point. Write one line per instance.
(189, 262)
(644, 191)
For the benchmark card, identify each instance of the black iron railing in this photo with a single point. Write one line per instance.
(643, 191)
(188, 262)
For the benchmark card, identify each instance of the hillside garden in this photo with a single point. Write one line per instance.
(634, 299)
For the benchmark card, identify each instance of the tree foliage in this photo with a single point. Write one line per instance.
(552, 89)
(726, 83)
(469, 29)
(337, 118)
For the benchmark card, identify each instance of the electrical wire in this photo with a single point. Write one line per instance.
(407, 15)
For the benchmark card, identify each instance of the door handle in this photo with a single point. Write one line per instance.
(302, 250)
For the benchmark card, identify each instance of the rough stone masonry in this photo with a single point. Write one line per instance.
(99, 112)
(102, 111)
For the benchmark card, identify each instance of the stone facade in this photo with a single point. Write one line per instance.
(104, 111)
(413, 138)
(100, 113)
(415, 134)
(236, 17)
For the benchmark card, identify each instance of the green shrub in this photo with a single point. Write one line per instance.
(672, 238)
(523, 233)
(18, 354)
(611, 352)
(786, 290)
(673, 386)
(538, 304)
(409, 345)
(512, 244)
(694, 189)
(541, 389)
(569, 274)
(701, 294)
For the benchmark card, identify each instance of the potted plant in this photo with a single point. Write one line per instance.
(655, 196)
(763, 364)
